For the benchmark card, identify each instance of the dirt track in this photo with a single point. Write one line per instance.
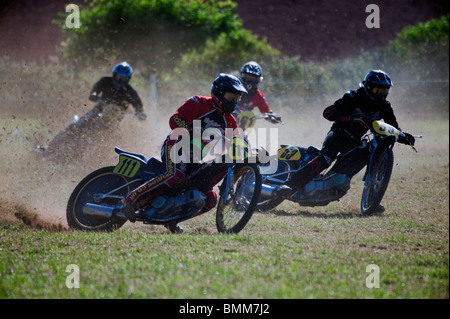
(311, 29)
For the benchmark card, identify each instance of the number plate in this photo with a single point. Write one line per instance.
(246, 120)
(289, 153)
(239, 149)
(385, 129)
(127, 166)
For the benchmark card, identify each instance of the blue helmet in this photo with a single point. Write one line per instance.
(122, 73)
(222, 84)
(251, 68)
(377, 85)
(251, 76)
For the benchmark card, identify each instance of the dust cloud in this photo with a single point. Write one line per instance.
(36, 180)
(35, 186)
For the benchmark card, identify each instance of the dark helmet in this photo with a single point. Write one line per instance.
(251, 76)
(377, 85)
(122, 73)
(222, 84)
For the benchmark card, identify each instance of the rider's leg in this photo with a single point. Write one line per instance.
(330, 149)
(210, 201)
(205, 177)
(173, 177)
(308, 172)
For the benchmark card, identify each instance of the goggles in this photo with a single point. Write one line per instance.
(248, 78)
(382, 92)
(121, 78)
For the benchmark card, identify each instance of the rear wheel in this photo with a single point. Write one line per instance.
(101, 181)
(377, 182)
(234, 212)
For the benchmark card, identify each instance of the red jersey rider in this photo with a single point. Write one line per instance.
(211, 112)
(251, 76)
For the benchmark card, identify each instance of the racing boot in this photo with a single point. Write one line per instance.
(380, 209)
(174, 228)
(210, 201)
(128, 211)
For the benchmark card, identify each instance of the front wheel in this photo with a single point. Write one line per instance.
(101, 181)
(234, 211)
(377, 181)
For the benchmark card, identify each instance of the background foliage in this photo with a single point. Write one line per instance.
(155, 34)
(190, 42)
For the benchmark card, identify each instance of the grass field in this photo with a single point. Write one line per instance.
(289, 252)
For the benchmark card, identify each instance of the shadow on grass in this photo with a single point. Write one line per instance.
(337, 215)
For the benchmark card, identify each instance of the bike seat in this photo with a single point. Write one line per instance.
(156, 166)
(313, 150)
(120, 151)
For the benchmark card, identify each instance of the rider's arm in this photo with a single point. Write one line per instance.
(341, 110)
(260, 101)
(186, 113)
(97, 90)
(134, 99)
(387, 114)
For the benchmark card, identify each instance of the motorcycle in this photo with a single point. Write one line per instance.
(375, 153)
(99, 123)
(95, 203)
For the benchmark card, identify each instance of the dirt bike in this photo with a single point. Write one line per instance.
(95, 203)
(99, 123)
(375, 153)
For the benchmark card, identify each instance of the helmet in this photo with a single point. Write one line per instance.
(251, 75)
(122, 73)
(222, 84)
(377, 85)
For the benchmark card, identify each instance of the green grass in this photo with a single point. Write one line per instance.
(274, 257)
(289, 252)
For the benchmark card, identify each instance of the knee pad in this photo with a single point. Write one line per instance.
(210, 200)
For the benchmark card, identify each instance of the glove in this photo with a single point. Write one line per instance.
(345, 118)
(93, 97)
(360, 119)
(408, 139)
(277, 120)
(141, 115)
(273, 118)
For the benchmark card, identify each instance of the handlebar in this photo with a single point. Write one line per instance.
(271, 117)
(415, 136)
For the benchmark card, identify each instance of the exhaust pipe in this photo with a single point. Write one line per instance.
(267, 191)
(103, 212)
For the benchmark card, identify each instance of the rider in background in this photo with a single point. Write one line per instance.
(251, 76)
(350, 115)
(211, 112)
(116, 89)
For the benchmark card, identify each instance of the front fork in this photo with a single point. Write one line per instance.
(386, 142)
(227, 193)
